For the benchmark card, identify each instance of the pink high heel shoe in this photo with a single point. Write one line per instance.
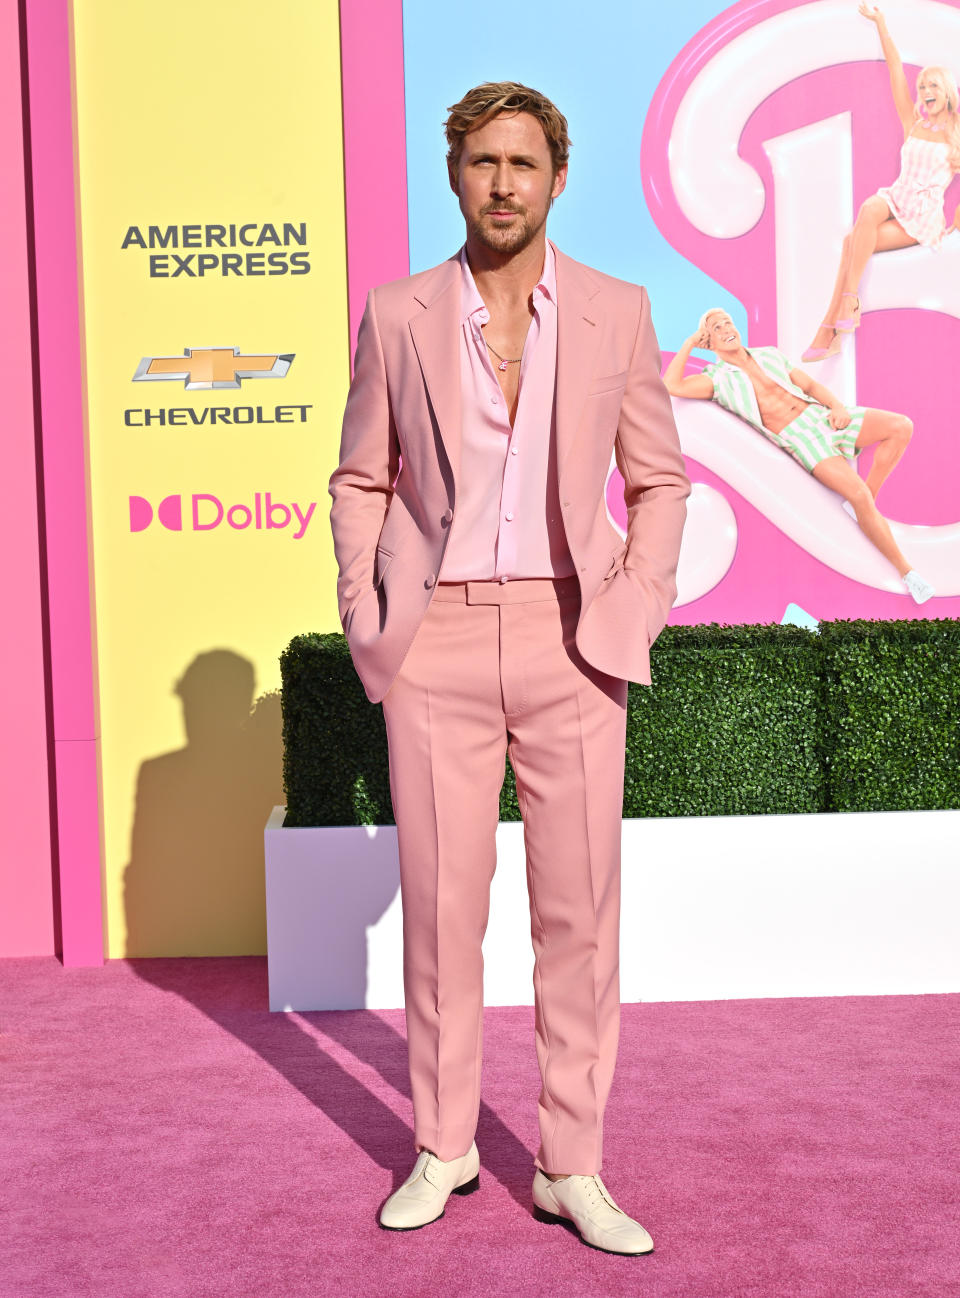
(822, 353)
(852, 321)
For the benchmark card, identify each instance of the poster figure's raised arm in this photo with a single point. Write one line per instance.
(692, 385)
(902, 99)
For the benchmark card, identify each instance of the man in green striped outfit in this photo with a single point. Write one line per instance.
(804, 419)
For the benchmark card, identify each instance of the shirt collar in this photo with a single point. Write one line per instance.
(728, 366)
(471, 302)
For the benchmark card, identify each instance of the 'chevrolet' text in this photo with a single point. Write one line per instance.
(140, 417)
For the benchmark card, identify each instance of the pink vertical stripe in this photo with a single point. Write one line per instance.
(374, 148)
(72, 667)
(26, 915)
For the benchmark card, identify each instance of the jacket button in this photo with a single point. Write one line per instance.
(448, 515)
(431, 581)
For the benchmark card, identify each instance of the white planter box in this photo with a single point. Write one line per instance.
(714, 908)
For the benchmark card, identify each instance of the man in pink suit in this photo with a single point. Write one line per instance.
(491, 606)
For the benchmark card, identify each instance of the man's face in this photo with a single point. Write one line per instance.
(505, 182)
(722, 333)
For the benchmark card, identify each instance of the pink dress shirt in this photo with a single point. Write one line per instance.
(507, 520)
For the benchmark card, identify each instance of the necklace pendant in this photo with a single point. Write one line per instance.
(502, 365)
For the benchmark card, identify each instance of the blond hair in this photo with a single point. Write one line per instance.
(714, 310)
(703, 333)
(481, 104)
(952, 133)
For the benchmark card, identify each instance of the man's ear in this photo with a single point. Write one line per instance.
(559, 182)
(452, 177)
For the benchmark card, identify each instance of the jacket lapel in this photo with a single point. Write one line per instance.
(578, 343)
(436, 337)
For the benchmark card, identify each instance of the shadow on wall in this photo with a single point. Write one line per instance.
(194, 882)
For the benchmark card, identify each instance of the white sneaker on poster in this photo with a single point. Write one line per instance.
(919, 589)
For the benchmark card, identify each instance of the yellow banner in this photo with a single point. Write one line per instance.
(215, 317)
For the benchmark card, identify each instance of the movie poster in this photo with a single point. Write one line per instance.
(728, 158)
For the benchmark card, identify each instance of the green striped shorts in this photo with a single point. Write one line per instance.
(810, 439)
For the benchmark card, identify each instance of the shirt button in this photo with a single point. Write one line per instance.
(502, 580)
(448, 515)
(513, 450)
(431, 581)
(508, 517)
(494, 401)
(566, 504)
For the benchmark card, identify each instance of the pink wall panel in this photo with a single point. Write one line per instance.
(374, 148)
(72, 663)
(26, 888)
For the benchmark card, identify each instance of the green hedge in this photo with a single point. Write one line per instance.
(740, 720)
(894, 691)
(730, 727)
(334, 740)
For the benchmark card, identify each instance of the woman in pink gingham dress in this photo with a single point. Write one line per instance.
(916, 196)
(910, 211)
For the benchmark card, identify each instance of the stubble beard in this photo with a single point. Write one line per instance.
(508, 239)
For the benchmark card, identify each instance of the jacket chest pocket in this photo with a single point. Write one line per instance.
(610, 385)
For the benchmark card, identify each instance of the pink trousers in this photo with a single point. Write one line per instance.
(494, 667)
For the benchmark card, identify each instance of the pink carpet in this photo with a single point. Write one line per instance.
(163, 1135)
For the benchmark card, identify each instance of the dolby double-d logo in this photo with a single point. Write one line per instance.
(207, 512)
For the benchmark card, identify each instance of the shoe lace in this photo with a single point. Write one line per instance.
(431, 1164)
(600, 1195)
(592, 1191)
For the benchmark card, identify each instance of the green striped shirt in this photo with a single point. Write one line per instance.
(733, 390)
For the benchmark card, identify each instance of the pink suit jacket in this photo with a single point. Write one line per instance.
(390, 528)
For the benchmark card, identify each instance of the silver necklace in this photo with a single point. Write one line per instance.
(504, 362)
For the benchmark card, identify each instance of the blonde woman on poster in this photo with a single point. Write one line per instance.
(910, 211)
(806, 420)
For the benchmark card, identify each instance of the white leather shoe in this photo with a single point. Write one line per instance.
(423, 1195)
(586, 1201)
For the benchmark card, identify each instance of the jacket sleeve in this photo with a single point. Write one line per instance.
(656, 486)
(362, 484)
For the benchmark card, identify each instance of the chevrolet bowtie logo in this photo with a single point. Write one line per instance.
(212, 367)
